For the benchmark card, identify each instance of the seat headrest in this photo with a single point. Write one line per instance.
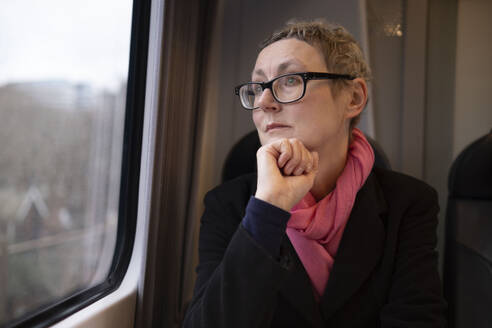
(471, 173)
(242, 157)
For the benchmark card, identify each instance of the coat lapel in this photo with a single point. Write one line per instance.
(297, 288)
(360, 248)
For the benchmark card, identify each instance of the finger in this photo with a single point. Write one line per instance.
(267, 154)
(303, 163)
(285, 150)
(306, 163)
(295, 159)
(309, 161)
(315, 164)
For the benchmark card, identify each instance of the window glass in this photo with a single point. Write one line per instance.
(63, 73)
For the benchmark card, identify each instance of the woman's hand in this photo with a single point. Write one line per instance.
(286, 172)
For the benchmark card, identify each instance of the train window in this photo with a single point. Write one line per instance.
(65, 155)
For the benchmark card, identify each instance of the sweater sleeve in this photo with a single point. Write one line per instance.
(237, 276)
(266, 224)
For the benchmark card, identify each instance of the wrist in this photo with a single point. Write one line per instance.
(275, 201)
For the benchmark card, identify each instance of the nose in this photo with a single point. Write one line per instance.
(267, 101)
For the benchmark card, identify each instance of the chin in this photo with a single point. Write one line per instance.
(266, 139)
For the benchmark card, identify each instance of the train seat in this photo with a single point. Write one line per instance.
(468, 248)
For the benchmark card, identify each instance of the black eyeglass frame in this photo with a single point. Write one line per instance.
(306, 76)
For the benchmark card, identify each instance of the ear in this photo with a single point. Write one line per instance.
(357, 97)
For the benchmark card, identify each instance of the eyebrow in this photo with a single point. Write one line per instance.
(282, 68)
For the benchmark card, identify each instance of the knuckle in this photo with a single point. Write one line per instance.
(262, 151)
(296, 141)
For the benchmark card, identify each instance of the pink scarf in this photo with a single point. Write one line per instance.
(315, 229)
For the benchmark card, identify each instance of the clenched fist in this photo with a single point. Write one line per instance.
(286, 172)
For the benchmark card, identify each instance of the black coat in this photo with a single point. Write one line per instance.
(384, 274)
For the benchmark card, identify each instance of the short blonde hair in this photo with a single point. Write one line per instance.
(339, 48)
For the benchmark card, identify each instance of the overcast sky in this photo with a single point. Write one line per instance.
(79, 41)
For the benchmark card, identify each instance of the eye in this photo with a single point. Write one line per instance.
(257, 88)
(291, 81)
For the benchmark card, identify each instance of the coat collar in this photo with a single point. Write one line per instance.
(359, 251)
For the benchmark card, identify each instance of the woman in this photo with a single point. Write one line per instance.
(320, 237)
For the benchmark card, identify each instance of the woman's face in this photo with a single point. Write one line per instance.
(318, 119)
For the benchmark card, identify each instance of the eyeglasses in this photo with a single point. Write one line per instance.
(285, 88)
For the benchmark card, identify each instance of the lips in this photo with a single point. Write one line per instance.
(273, 126)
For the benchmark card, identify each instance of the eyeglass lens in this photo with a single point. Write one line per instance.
(285, 89)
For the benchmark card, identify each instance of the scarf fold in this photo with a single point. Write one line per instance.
(316, 228)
